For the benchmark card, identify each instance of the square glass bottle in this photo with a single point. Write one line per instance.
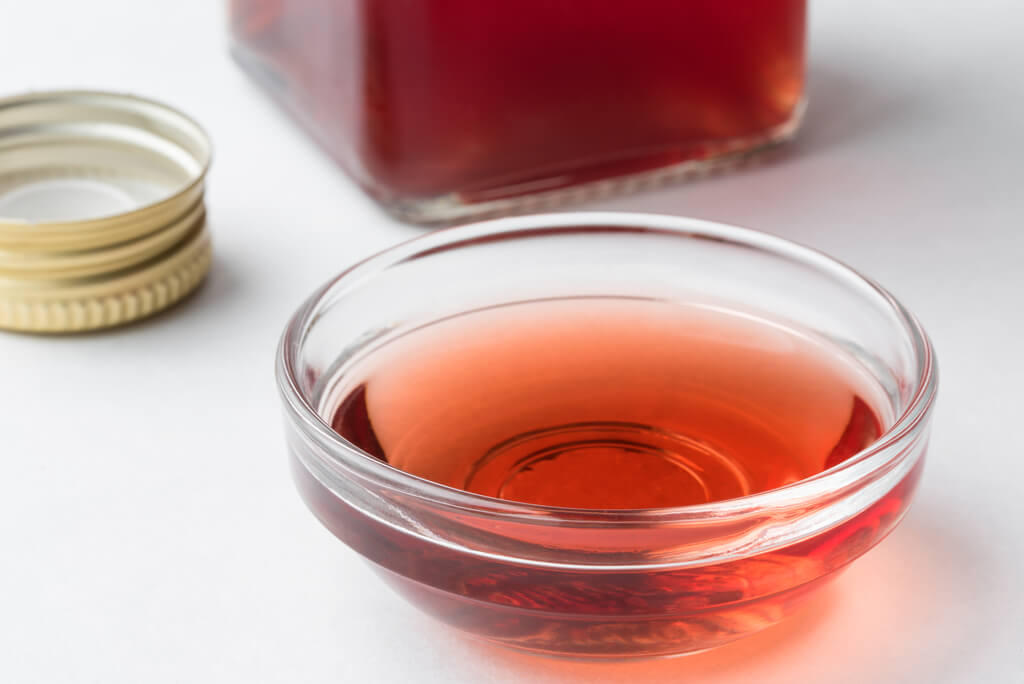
(445, 110)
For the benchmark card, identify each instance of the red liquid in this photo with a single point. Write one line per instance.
(608, 404)
(423, 98)
(605, 404)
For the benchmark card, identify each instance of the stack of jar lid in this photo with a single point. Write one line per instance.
(102, 219)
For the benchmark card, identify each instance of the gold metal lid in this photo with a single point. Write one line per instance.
(102, 219)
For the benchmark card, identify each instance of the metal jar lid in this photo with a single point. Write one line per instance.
(102, 219)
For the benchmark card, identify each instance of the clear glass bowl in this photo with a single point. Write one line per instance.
(587, 583)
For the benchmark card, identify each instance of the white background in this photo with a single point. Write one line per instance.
(148, 528)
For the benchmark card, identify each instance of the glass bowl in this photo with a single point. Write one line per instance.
(592, 583)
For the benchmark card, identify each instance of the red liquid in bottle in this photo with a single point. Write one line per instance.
(429, 98)
(606, 404)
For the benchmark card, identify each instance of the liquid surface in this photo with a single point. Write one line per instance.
(607, 404)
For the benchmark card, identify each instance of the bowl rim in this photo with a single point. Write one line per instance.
(348, 459)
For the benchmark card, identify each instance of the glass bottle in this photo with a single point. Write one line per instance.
(451, 109)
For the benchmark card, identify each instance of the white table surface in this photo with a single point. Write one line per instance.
(148, 528)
